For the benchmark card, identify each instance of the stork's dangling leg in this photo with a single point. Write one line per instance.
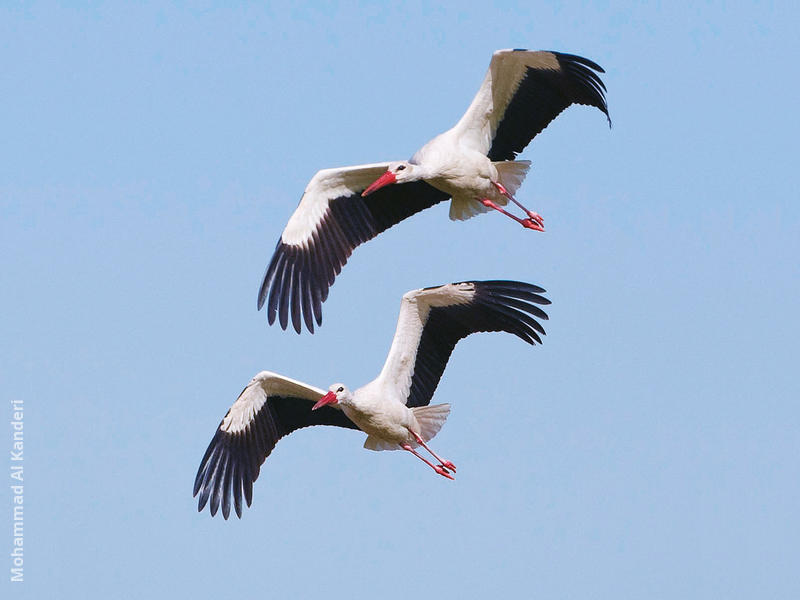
(533, 216)
(445, 463)
(440, 469)
(527, 223)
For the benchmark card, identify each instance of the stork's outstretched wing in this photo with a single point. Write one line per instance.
(433, 320)
(522, 92)
(270, 407)
(331, 220)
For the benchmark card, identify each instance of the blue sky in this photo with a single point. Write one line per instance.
(649, 448)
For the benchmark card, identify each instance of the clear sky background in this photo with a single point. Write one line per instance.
(150, 158)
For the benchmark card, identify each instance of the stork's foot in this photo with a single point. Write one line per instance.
(440, 469)
(443, 472)
(444, 464)
(531, 224)
(535, 217)
(447, 465)
(534, 220)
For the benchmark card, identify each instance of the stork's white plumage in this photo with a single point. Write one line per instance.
(472, 163)
(393, 410)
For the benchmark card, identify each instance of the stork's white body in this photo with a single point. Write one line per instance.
(463, 174)
(380, 411)
(383, 417)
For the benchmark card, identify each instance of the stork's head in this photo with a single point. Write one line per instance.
(337, 394)
(398, 172)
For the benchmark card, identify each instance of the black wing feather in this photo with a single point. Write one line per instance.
(541, 96)
(299, 277)
(233, 460)
(497, 306)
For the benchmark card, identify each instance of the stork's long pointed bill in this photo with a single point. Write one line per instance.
(329, 398)
(387, 178)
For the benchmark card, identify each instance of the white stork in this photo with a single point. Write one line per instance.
(472, 163)
(393, 410)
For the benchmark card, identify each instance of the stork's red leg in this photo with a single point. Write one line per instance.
(530, 223)
(438, 468)
(534, 216)
(445, 463)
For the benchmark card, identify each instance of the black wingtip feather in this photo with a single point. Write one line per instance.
(578, 59)
(297, 286)
(238, 478)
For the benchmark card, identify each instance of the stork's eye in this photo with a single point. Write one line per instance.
(341, 389)
(400, 168)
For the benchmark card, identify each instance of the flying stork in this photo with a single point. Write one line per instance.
(472, 163)
(393, 410)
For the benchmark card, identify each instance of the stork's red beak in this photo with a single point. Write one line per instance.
(387, 178)
(329, 398)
